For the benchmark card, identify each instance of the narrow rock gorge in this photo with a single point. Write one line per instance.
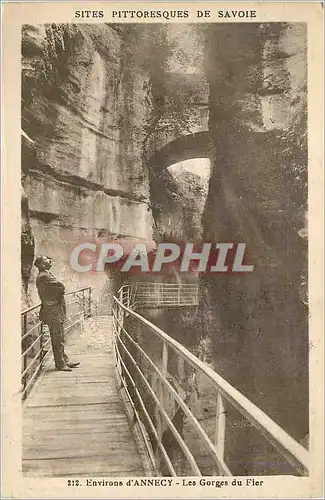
(258, 191)
(109, 111)
(85, 110)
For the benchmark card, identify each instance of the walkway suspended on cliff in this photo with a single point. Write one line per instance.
(77, 424)
(140, 404)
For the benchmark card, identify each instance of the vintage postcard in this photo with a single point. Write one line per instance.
(162, 222)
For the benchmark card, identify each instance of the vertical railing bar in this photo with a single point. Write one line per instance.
(220, 430)
(24, 368)
(158, 293)
(151, 425)
(137, 416)
(181, 442)
(41, 345)
(25, 357)
(116, 353)
(171, 390)
(164, 363)
(89, 303)
(160, 396)
(25, 324)
(123, 383)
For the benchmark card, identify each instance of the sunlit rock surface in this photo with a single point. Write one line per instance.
(84, 107)
(258, 196)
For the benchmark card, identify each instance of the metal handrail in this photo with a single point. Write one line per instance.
(151, 294)
(218, 460)
(120, 363)
(28, 376)
(163, 283)
(30, 309)
(295, 454)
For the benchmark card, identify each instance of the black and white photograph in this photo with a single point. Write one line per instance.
(165, 134)
(164, 250)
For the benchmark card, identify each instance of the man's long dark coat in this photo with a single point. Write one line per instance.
(51, 292)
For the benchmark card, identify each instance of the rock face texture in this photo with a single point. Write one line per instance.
(258, 196)
(84, 106)
(27, 247)
(177, 201)
(252, 328)
(106, 109)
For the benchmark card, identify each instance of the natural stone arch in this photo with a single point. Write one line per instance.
(184, 148)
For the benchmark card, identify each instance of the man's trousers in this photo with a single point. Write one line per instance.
(57, 338)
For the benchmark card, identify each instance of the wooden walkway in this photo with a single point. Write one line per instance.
(75, 424)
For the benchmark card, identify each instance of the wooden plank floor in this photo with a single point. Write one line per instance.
(75, 423)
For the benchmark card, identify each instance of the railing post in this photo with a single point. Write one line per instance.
(220, 431)
(114, 320)
(158, 293)
(25, 324)
(127, 299)
(164, 363)
(83, 302)
(161, 395)
(179, 295)
(25, 376)
(134, 293)
(116, 332)
(89, 301)
(120, 312)
(41, 344)
(23, 347)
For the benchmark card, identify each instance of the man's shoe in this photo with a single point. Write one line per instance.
(73, 365)
(64, 369)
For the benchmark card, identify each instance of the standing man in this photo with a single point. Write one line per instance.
(53, 311)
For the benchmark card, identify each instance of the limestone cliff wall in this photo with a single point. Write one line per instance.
(177, 200)
(84, 107)
(258, 195)
(253, 328)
